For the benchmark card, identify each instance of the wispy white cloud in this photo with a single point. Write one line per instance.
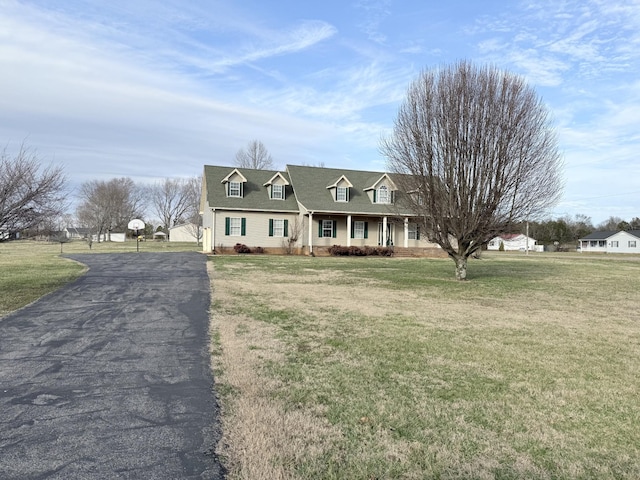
(300, 38)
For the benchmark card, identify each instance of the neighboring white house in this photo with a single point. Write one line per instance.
(512, 242)
(611, 242)
(187, 232)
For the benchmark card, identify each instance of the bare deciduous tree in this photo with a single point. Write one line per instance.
(474, 149)
(195, 218)
(29, 194)
(172, 201)
(295, 231)
(255, 155)
(109, 205)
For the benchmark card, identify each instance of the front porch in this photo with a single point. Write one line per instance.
(327, 229)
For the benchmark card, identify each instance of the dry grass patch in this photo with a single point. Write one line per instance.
(529, 370)
(261, 437)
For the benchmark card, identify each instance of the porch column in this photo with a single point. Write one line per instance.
(348, 230)
(384, 231)
(406, 232)
(310, 233)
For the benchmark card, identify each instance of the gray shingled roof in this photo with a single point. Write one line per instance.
(599, 235)
(310, 185)
(255, 193)
(608, 233)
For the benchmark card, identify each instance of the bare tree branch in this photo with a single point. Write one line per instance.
(475, 149)
(171, 200)
(28, 194)
(109, 205)
(254, 156)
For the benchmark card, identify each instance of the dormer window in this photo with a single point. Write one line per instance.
(234, 184)
(277, 192)
(381, 190)
(235, 189)
(276, 186)
(339, 189)
(383, 194)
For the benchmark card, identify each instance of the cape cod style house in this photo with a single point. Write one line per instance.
(306, 210)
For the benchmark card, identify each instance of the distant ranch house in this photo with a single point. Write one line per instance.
(77, 233)
(512, 242)
(306, 210)
(611, 242)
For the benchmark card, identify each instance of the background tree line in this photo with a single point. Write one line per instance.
(567, 230)
(34, 199)
(108, 205)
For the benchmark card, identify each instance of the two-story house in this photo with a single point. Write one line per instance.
(306, 210)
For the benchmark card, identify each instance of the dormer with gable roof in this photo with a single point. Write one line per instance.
(276, 187)
(340, 189)
(382, 190)
(234, 184)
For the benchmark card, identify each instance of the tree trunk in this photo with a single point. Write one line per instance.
(461, 268)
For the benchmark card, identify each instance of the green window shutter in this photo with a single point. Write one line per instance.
(417, 232)
(243, 226)
(242, 190)
(271, 227)
(366, 229)
(286, 228)
(320, 228)
(375, 195)
(392, 195)
(335, 229)
(227, 225)
(348, 189)
(353, 228)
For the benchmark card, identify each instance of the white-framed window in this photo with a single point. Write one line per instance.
(358, 229)
(327, 228)
(632, 244)
(234, 189)
(277, 192)
(414, 233)
(278, 228)
(342, 194)
(383, 194)
(235, 226)
(614, 243)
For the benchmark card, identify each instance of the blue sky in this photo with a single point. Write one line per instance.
(151, 89)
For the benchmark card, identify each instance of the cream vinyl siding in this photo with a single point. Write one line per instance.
(256, 228)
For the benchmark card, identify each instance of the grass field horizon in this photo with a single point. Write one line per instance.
(390, 368)
(382, 368)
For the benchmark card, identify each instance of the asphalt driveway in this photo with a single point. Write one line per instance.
(109, 377)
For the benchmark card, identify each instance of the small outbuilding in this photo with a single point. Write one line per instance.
(160, 236)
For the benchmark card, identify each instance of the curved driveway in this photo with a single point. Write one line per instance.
(109, 377)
